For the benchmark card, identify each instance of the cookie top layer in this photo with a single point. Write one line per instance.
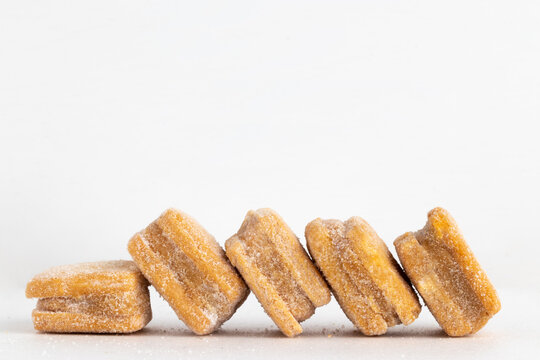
(441, 235)
(86, 278)
(193, 240)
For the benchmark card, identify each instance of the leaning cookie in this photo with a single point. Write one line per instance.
(445, 272)
(364, 277)
(277, 269)
(189, 269)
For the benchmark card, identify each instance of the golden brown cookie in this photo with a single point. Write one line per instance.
(445, 272)
(277, 269)
(98, 297)
(363, 275)
(189, 269)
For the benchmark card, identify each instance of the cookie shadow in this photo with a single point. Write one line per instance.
(269, 332)
(416, 332)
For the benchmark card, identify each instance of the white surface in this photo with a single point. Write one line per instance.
(112, 111)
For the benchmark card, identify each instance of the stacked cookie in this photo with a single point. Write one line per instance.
(205, 284)
(99, 297)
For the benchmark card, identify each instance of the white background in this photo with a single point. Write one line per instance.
(112, 111)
